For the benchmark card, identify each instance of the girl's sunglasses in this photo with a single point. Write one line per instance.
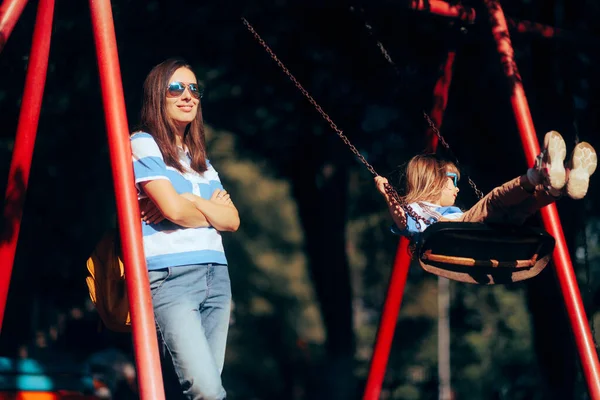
(453, 175)
(176, 89)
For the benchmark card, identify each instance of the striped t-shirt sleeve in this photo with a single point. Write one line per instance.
(148, 163)
(213, 178)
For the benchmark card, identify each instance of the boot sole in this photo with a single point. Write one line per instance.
(584, 161)
(555, 157)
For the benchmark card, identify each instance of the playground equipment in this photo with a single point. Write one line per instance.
(562, 260)
(138, 288)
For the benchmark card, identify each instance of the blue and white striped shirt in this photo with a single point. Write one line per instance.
(431, 212)
(167, 244)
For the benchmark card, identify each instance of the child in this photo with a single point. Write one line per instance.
(431, 189)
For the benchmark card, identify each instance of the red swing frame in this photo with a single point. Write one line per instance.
(562, 260)
(145, 342)
(144, 335)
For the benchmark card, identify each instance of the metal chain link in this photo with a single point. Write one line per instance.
(390, 190)
(435, 130)
(408, 210)
(312, 101)
(432, 125)
(382, 49)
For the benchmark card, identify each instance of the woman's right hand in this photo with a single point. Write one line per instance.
(150, 212)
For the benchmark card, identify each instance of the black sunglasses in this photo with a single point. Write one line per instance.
(176, 89)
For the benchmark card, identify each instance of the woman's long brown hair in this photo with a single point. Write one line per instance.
(156, 122)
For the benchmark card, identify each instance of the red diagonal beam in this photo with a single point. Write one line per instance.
(522, 26)
(387, 325)
(445, 9)
(440, 99)
(562, 259)
(20, 166)
(145, 342)
(10, 11)
(468, 15)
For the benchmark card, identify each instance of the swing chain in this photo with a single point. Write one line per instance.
(432, 125)
(312, 101)
(388, 188)
(435, 130)
(359, 10)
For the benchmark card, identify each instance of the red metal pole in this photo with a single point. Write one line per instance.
(546, 31)
(440, 99)
(387, 325)
(138, 288)
(467, 14)
(562, 259)
(444, 9)
(20, 166)
(393, 300)
(10, 11)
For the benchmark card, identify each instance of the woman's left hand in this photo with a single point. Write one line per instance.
(220, 196)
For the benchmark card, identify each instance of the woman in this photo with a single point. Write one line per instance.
(184, 209)
(432, 187)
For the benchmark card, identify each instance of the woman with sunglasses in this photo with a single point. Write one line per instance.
(184, 208)
(432, 187)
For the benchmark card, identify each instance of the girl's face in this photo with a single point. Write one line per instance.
(449, 193)
(182, 107)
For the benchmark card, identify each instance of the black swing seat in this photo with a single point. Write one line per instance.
(484, 253)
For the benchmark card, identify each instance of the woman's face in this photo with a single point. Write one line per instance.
(182, 108)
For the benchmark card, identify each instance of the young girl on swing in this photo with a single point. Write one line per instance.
(431, 189)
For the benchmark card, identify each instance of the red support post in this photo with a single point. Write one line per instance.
(440, 99)
(20, 166)
(138, 288)
(562, 259)
(387, 325)
(393, 300)
(10, 11)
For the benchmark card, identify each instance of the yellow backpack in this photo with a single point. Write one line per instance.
(106, 284)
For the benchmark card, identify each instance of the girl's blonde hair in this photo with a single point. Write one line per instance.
(426, 177)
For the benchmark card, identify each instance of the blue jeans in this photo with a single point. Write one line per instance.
(192, 305)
